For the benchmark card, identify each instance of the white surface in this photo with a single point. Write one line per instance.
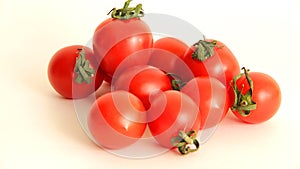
(38, 129)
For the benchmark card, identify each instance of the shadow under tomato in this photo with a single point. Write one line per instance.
(56, 113)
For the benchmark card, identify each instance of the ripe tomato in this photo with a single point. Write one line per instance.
(168, 44)
(73, 72)
(172, 45)
(171, 113)
(117, 119)
(143, 81)
(168, 54)
(120, 36)
(258, 104)
(211, 97)
(212, 58)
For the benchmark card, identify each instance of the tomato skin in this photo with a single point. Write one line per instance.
(168, 54)
(117, 120)
(143, 81)
(116, 39)
(62, 77)
(172, 45)
(211, 97)
(223, 65)
(266, 94)
(170, 112)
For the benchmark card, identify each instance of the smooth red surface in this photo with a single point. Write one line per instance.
(116, 39)
(266, 94)
(117, 120)
(62, 77)
(170, 112)
(143, 81)
(211, 97)
(223, 65)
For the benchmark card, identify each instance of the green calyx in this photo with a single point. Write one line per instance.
(127, 12)
(243, 103)
(176, 82)
(204, 50)
(83, 69)
(186, 142)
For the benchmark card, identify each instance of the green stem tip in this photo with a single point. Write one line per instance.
(176, 81)
(186, 142)
(127, 12)
(243, 102)
(83, 69)
(204, 50)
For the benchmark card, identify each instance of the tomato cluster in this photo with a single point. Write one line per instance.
(161, 85)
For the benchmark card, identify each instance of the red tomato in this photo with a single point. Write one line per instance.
(117, 120)
(171, 112)
(212, 58)
(116, 39)
(73, 72)
(211, 97)
(266, 97)
(172, 45)
(143, 81)
(168, 54)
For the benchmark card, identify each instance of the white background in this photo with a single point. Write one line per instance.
(38, 129)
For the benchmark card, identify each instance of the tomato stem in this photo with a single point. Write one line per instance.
(243, 103)
(127, 12)
(177, 82)
(186, 142)
(83, 68)
(204, 50)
